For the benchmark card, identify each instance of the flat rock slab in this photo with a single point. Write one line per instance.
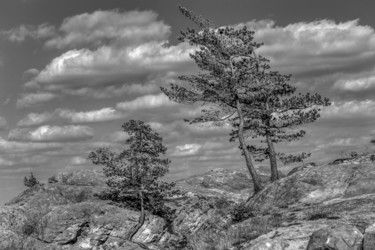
(343, 237)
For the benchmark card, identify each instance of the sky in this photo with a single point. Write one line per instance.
(73, 71)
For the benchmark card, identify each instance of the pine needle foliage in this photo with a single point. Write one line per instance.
(229, 69)
(275, 115)
(133, 176)
(30, 181)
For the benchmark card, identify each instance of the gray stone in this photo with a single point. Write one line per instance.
(343, 237)
(369, 238)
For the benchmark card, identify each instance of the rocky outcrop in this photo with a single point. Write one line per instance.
(234, 185)
(316, 185)
(62, 216)
(315, 207)
(66, 213)
(327, 206)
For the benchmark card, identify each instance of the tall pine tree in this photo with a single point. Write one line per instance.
(229, 74)
(274, 115)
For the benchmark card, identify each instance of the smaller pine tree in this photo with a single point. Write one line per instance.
(133, 176)
(30, 181)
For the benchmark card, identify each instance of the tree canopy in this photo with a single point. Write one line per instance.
(228, 80)
(274, 115)
(133, 175)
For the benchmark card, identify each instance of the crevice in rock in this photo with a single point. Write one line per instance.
(77, 235)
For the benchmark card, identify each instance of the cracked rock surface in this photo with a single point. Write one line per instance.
(314, 207)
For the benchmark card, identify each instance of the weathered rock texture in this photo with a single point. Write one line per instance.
(314, 207)
(321, 207)
(66, 213)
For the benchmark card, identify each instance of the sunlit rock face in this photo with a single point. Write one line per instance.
(311, 206)
(66, 213)
(319, 206)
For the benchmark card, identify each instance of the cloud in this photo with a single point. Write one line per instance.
(113, 91)
(31, 72)
(356, 84)
(316, 48)
(22, 32)
(31, 99)
(186, 149)
(101, 115)
(110, 54)
(14, 147)
(107, 65)
(48, 133)
(110, 26)
(3, 123)
(350, 109)
(78, 160)
(34, 119)
(145, 102)
(4, 162)
(118, 137)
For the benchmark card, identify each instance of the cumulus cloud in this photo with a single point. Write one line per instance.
(356, 84)
(110, 54)
(186, 149)
(104, 26)
(350, 109)
(113, 91)
(101, 115)
(5, 162)
(48, 133)
(31, 99)
(3, 123)
(34, 119)
(316, 48)
(78, 160)
(23, 32)
(14, 147)
(143, 102)
(107, 64)
(118, 137)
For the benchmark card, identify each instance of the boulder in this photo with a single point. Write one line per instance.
(343, 237)
(316, 185)
(235, 185)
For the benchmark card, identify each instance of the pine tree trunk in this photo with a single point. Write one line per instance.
(141, 219)
(273, 161)
(256, 181)
(271, 148)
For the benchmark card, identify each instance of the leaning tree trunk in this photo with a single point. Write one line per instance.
(141, 219)
(273, 162)
(271, 148)
(256, 181)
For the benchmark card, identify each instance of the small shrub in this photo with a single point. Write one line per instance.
(354, 154)
(52, 179)
(30, 181)
(240, 213)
